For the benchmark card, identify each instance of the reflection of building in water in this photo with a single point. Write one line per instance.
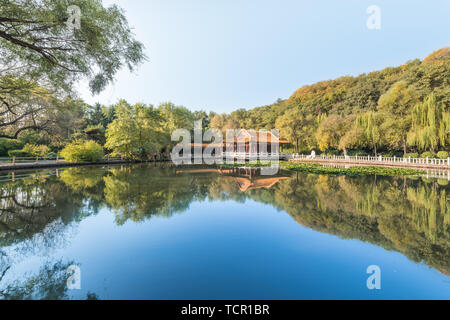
(247, 178)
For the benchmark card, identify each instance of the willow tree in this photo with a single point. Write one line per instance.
(396, 106)
(43, 46)
(430, 125)
(369, 123)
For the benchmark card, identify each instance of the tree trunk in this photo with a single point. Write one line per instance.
(296, 145)
(405, 150)
(375, 149)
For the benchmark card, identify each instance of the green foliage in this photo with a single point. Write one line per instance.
(411, 155)
(371, 111)
(442, 155)
(96, 133)
(34, 34)
(431, 125)
(352, 171)
(18, 153)
(30, 150)
(9, 144)
(428, 154)
(295, 126)
(81, 151)
(359, 153)
(36, 150)
(137, 131)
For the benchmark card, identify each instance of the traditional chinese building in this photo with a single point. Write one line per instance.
(243, 142)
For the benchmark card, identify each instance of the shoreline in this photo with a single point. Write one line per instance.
(373, 164)
(27, 166)
(62, 164)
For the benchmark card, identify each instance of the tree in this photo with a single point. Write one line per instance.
(294, 126)
(136, 132)
(396, 108)
(23, 106)
(369, 123)
(430, 125)
(41, 57)
(37, 44)
(331, 130)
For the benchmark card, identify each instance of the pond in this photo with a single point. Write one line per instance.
(164, 232)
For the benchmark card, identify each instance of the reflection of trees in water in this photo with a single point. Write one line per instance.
(35, 217)
(411, 216)
(48, 284)
(406, 215)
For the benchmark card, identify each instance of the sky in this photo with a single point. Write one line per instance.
(218, 55)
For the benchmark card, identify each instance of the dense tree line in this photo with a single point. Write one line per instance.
(395, 110)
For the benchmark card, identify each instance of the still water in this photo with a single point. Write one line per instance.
(164, 232)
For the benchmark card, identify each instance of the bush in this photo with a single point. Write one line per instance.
(88, 150)
(18, 153)
(442, 155)
(428, 155)
(359, 153)
(9, 145)
(391, 154)
(51, 155)
(35, 150)
(411, 155)
(333, 152)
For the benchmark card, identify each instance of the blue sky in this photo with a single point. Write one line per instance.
(219, 55)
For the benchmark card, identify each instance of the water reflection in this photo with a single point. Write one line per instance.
(408, 215)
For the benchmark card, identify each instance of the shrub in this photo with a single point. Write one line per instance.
(88, 150)
(18, 153)
(51, 155)
(411, 155)
(391, 154)
(428, 155)
(35, 150)
(359, 153)
(333, 152)
(442, 155)
(9, 145)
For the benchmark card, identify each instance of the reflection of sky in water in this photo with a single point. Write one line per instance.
(221, 250)
(232, 250)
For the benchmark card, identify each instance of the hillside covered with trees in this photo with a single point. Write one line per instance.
(396, 110)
